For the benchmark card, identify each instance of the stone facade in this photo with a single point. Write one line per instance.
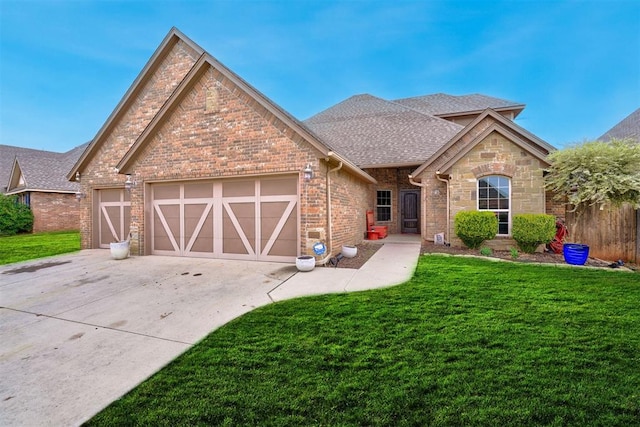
(54, 212)
(470, 158)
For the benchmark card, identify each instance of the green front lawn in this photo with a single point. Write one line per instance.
(465, 342)
(24, 247)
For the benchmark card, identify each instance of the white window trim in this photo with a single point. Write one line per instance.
(390, 205)
(496, 210)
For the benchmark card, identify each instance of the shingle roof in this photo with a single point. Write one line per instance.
(42, 170)
(441, 104)
(629, 127)
(374, 132)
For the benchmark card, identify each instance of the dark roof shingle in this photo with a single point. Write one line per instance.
(629, 127)
(42, 170)
(441, 104)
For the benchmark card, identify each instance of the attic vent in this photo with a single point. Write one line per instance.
(211, 101)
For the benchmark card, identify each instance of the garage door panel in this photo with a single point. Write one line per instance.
(166, 191)
(166, 226)
(113, 216)
(199, 228)
(287, 240)
(111, 220)
(278, 186)
(238, 228)
(239, 188)
(242, 219)
(198, 190)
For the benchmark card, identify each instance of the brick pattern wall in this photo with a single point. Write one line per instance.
(555, 207)
(55, 212)
(396, 180)
(100, 173)
(350, 200)
(230, 138)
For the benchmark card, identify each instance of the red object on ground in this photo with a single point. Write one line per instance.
(558, 240)
(382, 230)
(372, 235)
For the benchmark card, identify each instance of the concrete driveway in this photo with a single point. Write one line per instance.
(76, 331)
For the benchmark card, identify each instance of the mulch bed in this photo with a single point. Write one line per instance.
(538, 257)
(366, 251)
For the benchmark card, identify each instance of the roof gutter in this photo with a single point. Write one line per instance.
(351, 167)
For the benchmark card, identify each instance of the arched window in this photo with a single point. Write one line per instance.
(494, 194)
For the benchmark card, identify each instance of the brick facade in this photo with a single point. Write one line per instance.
(152, 94)
(396, 180)
(217, 131)
(349, 204)
(54, 212)
(188, 118)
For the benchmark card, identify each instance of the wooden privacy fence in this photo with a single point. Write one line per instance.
(611, 233)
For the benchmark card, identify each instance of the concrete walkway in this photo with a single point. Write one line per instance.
(392, 264)
(78, 331)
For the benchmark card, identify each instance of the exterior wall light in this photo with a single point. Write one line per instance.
(307, 173)
(80, 195)
(129, 183)
(77, 176)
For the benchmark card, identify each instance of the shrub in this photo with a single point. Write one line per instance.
(14, 217)
(532, 230)
(486, 251)
(474, 227)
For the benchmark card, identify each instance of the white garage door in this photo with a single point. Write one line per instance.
(253, 219)
(114, 215)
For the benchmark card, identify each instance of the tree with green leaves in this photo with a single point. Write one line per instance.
(596, 173)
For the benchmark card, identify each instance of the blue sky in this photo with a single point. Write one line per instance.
(64, 65)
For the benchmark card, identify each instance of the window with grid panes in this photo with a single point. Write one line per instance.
(383, 205)
(494, 194)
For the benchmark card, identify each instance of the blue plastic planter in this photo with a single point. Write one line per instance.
(575, 254)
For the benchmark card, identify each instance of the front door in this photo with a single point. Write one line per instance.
(410, 211)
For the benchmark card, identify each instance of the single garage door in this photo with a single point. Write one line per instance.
(251, 219)
(114, 216)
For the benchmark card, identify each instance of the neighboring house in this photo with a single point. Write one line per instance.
(629, 127)
(194, 161)
(38, 179)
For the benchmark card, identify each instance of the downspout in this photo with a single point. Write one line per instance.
(446, 181)
(329, 232)
(423, 208)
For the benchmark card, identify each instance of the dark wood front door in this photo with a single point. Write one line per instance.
(410, 211)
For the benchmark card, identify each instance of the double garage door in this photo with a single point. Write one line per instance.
(253, 219)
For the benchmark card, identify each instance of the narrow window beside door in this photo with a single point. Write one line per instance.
(383, 205)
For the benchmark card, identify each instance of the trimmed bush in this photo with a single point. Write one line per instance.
(14, 217)
(531, 230)
(474, 227)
